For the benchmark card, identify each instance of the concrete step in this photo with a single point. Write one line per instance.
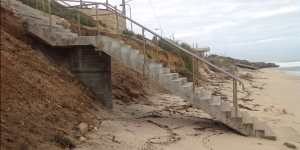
(168, 80)
(216, 101)
(258, 128)
(164, 70)
(186, 90)
(176, 84)
(226, 107)
(154, 69)
(269, 134)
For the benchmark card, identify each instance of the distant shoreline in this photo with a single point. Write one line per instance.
(291, 74)
(291, 68)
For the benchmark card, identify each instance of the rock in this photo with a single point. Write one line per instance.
(64, 141)
(82, 139)
(284, 111)
(290, 145)
(83, 128)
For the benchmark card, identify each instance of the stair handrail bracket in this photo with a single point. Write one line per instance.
(92, 5)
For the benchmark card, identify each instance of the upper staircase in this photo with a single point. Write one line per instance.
(56, 35)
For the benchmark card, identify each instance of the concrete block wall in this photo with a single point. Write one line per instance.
(94, 70)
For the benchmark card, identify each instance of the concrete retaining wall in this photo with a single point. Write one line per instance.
(94, 70)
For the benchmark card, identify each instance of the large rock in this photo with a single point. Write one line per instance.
(83, 128)
(290, 145)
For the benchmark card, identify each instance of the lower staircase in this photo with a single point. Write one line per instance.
(200, 98)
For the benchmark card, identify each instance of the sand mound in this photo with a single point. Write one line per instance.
(129, 86)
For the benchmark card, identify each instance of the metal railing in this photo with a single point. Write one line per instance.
(195, 58)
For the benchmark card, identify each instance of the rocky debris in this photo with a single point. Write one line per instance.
(247, 76)
(64, 141)
(83, 128)
(164, 140)
(290, 145)
(127, 85)
(82, 139)
(247, 108)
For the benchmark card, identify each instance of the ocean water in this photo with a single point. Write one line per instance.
(290, 67)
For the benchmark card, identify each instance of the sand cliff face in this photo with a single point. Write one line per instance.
(39, 100)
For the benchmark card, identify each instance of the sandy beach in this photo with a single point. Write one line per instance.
(279, 101)
(170, 124)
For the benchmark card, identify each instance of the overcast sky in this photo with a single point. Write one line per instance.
(263, 30)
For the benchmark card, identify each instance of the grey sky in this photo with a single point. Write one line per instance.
(267, 30)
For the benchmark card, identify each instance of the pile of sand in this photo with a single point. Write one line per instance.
(129, 86)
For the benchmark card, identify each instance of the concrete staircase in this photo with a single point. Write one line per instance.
(222, 111)
(201, 98)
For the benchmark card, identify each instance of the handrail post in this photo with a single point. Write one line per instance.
(8, 4)
(79, 24)
(50, 14)
(117, 19)
(144, 50)
(193, 74)
(235, 100)
(35, 2)
(43, 6)
(106, 4)
(97, 24)
(97, 20)
(157, 50)
(197, 72)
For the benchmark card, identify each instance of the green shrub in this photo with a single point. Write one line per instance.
(185, 57)
(128, 33)
(186, 46)
(61, 11)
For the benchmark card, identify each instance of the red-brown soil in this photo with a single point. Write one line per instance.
(41, 103)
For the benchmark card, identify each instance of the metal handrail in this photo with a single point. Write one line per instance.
(166, 41)
(194, 56)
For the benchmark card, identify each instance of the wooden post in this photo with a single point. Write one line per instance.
(106, 4)
(79, 24)
(8, 4)
(50, 13)
(97, 24)
(117, 19)
(43, 6)
(193, 76)
(196, 72)
(235, 100)
(145, 52)
(97, 20)
(157, 50)
(36, 4)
